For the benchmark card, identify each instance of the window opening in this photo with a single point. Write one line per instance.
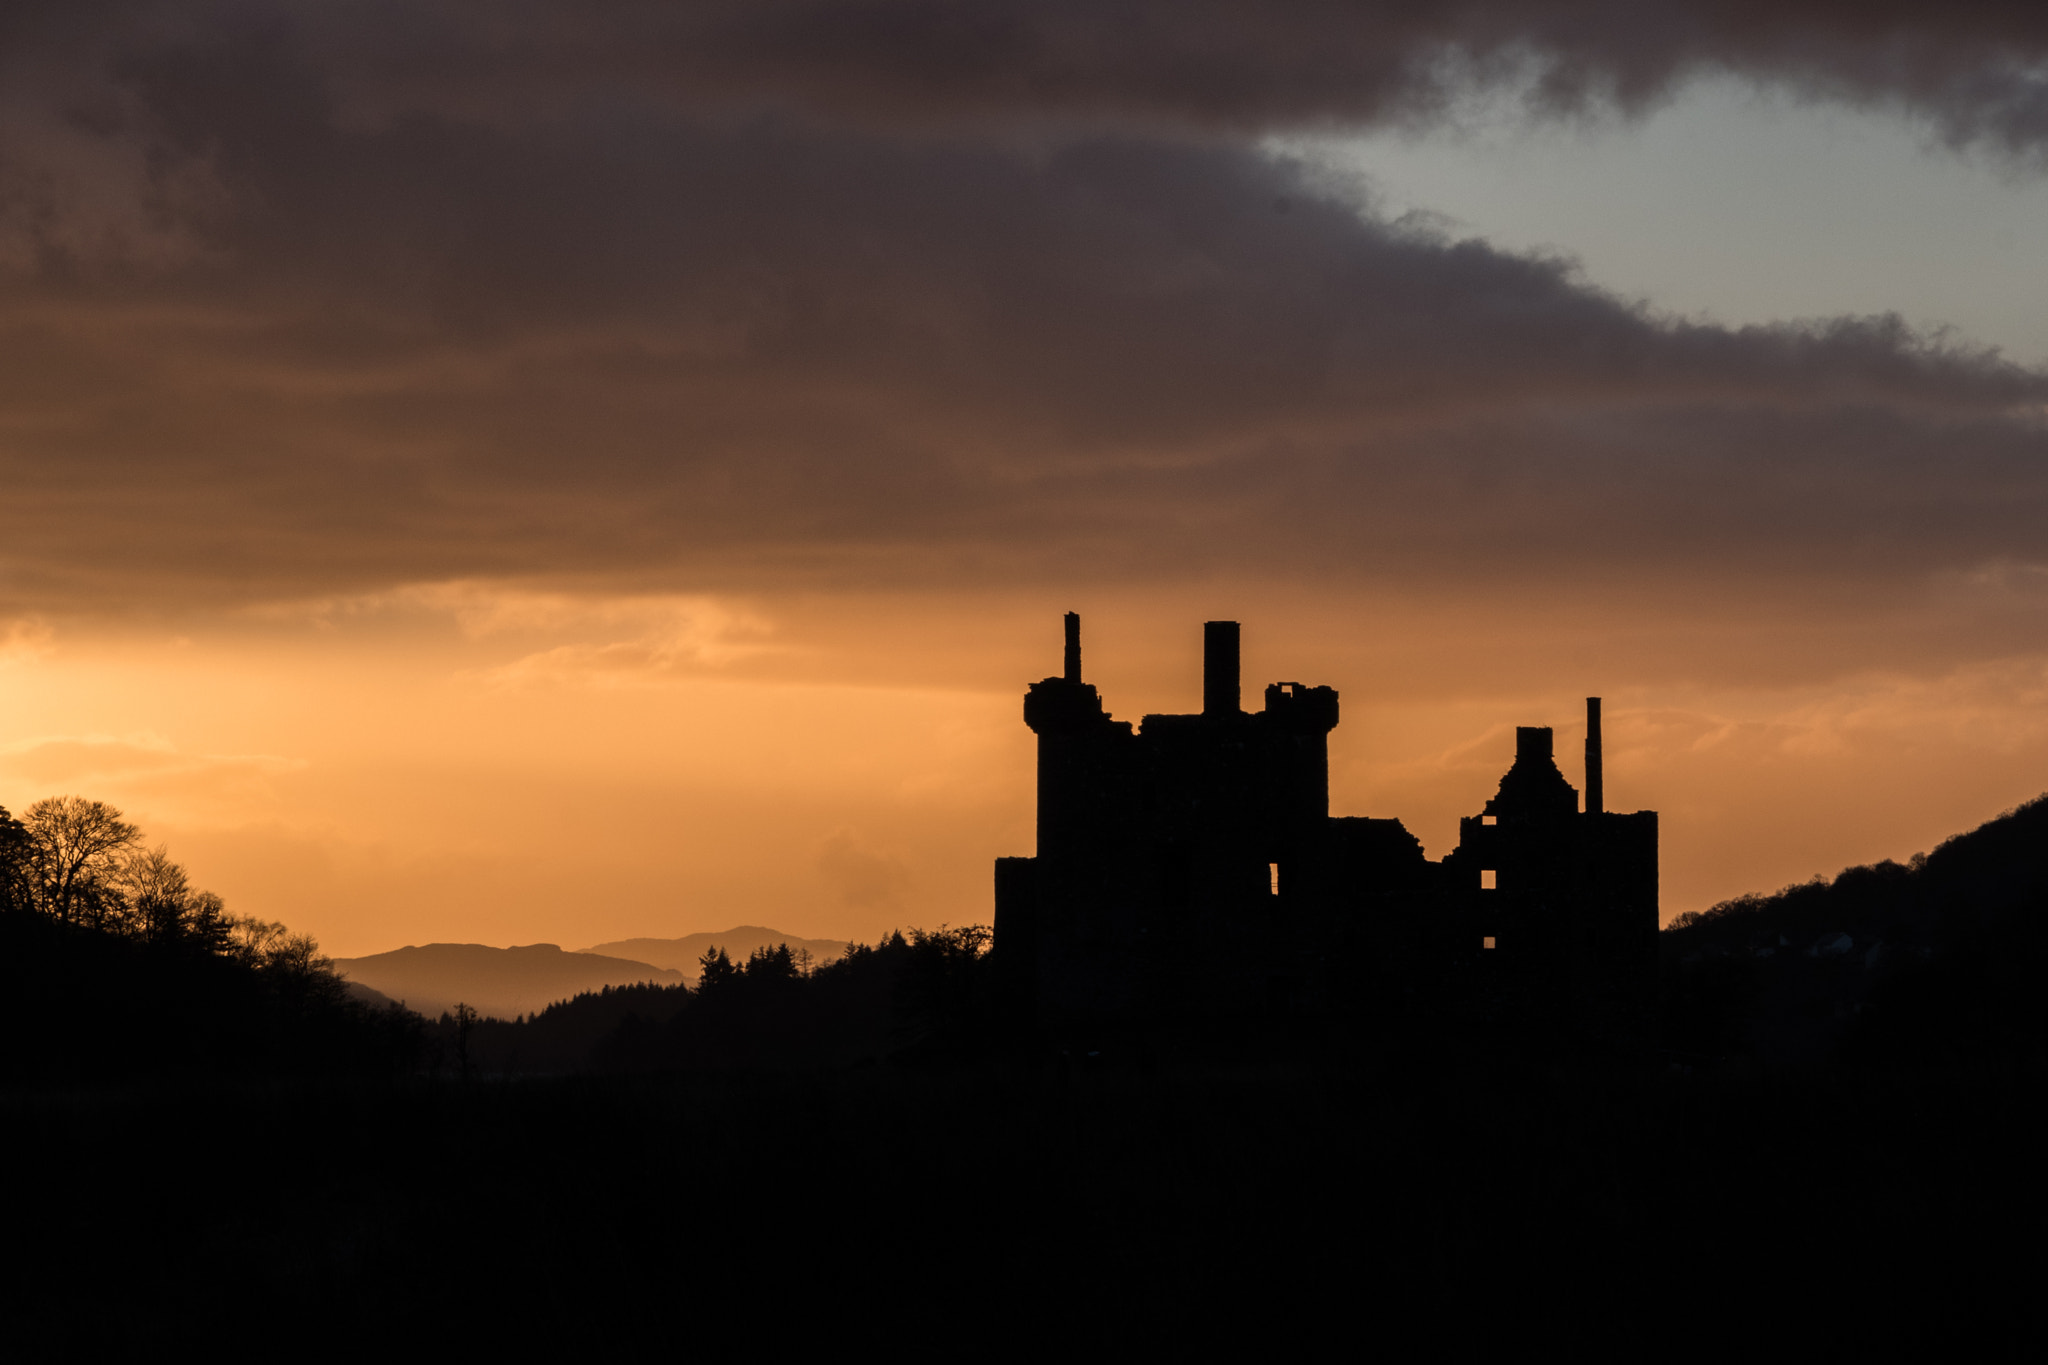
(1486, 942)
(1489, 880)
(1273, 879)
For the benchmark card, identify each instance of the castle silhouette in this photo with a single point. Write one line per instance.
(1191, 866)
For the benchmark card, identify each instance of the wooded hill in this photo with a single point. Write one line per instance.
(1937, 958)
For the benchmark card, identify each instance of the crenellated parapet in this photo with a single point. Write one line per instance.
(1300, 709)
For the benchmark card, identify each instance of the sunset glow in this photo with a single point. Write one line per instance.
(485, 487)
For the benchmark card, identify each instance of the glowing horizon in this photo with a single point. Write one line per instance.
(376, 800)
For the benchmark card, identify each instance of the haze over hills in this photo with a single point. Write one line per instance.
(498, 982)
(681, 954)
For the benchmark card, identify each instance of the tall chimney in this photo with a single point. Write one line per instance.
(1073, 646)
(1219, 668)
(1596, 794)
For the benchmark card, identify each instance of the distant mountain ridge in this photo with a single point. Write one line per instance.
(496, 982)
(505, 983)
(682, 954)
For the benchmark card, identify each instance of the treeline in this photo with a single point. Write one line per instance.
(920, 995)
(80, 864)
(113, 964)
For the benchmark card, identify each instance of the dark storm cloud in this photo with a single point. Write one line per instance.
(1220, 64)
(785, 294)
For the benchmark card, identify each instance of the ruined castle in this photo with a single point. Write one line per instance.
(1191, 864)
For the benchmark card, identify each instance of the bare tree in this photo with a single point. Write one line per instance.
(207, 922)
(158, 894)
(164, 907)
(250, 940)
(76, 851)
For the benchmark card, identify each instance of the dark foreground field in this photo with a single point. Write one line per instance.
(1013, 1204)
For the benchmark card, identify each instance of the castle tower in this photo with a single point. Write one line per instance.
(1191, 865)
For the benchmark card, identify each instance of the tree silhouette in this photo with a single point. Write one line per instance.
(162, 907)
(465, 1024)
(715, 972)
(15, 865)
(772, 964)
(157, 891)
(77, 849)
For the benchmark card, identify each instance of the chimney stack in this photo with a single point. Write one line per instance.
(1073, 647)
(1219, 668)
(1596, 794)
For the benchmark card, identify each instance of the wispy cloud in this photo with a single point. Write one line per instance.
(142, 767)
(664, 638)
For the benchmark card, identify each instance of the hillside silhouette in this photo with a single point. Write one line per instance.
(1932, 960)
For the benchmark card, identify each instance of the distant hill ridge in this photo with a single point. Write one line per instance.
(506, 983)
(499, 982)
(682, 954)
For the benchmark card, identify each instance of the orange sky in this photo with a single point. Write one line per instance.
(613, 471)
(505, 768)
